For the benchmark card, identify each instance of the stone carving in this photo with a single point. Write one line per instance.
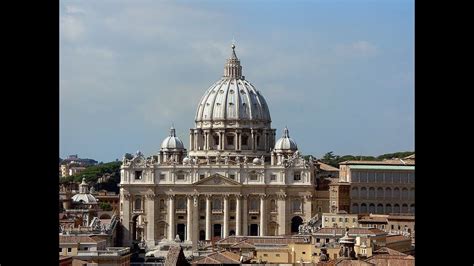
(310, 227)
(246, 159)
(262, 160)
(177, 239)
(226, 160)
(237, 160)
(208, 160)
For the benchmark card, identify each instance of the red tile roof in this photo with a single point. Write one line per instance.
(396, 238)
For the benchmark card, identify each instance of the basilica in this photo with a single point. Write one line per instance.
(236, 178)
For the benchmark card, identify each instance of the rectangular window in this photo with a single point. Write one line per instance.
(253, 177)
(327, 240)
(244, 140)
(333, 219)
(162, 176)
(254, 217)
(138, 174)
(297, 176)
(180, 177)
(346, 220)
(86, 248)
(232, 217)
(392, 227)
(232, 177)
(201, 176)
(68, 249)
(277, 255)
(340, 219)
(180, 217)
(202, 217)
(265, 254)
(317, 240)
(273, 177)
(303, 252)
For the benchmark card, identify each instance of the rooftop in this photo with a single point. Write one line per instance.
(72, 239)
(339, 231)
(399, 162)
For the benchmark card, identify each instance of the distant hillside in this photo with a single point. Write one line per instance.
(334, 160)
(92, 173)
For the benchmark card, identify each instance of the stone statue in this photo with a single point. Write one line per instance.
(237, 160)
(226, 159)
(208, 161)
(218, 158)
(177, 239)
(262, 159)
(246, 159)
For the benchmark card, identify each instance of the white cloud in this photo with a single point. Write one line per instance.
(358, 48)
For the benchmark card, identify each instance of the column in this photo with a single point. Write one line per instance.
(265, 139)
(282, 222)
(262, 216)
(189, 222)
(221, 140)
(208, 217)
(253, 140)
(195, 229)
(191, 137)
(226, 216)
(126, 219)
(245, 214)
(238, 226)
(150, 216)
(307, 207)
(238, 134)
(171, 212)
(206, 140)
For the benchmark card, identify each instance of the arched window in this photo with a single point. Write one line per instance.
(388, 208)
(216, 139)
(363, 208)
(371, 193)
(363, 193)
(388, 193)
(245, 139)
(412, 208)
(379, 193)
(372, 208)
(412, 193)
(404, 193)
(232, 205)
(380, 208)
(355, 192)
(138, 203)
(230, 139)
(273, 206)
(396, 193)
(396, 208)
(405, 208)
(296, 205)
(216, 204)
(355, 208)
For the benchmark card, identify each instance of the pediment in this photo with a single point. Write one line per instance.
(217, 180)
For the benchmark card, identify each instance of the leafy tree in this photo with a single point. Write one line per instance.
(105, 206)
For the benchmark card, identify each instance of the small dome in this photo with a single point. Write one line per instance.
(256, 161)
(84, 198)
(172, 142)
(285, 142)
(186, 160)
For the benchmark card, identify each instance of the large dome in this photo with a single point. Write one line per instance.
(232, 98)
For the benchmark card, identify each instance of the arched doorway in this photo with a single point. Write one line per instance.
(295, 224)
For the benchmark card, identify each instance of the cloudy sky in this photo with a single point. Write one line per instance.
(339, 74)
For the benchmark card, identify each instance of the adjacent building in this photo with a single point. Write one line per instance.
(382, 187)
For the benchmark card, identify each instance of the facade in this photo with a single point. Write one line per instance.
(237, 178)
(341, 219)
(339, 197)
(382, 187)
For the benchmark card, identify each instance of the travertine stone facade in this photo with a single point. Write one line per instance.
(233, 181)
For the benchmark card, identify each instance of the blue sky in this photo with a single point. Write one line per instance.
(339, 74)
